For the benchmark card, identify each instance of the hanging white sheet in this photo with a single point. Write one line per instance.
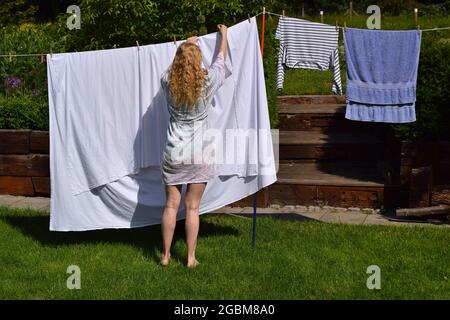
(108, 121)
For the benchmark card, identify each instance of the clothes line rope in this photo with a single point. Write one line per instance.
(256, 15)
(280, 15)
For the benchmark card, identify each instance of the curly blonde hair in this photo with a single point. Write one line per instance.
(186, 76)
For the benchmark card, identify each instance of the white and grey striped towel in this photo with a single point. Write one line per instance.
(308, 45)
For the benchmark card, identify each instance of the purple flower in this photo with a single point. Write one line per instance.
(34, 92)
(13, 82)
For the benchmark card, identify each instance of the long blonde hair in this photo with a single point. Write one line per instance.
(186, 76)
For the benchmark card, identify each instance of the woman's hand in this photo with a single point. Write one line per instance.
(193, 40)
(223, 43)
(222, 29)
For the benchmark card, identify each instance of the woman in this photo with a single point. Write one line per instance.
(189, 90)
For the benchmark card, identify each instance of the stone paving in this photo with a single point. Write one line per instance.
(303, 213)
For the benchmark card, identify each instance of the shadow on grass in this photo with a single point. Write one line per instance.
(147, 239)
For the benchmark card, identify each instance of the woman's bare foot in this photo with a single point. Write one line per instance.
(192, 263)
(165, 260)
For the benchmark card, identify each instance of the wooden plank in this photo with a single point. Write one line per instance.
(14, 141)
(314, 109)
(425, 211)
(351, 197)
(18, 186)
(330, 152)
(421, 187)
(261, 200)
(25, 165)
(355, 174)
(39, 142)
(333, 138)
(311, 99)
(285, 194)
(291, 194)
(41, 185)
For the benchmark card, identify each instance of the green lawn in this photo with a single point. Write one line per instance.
(293, 260)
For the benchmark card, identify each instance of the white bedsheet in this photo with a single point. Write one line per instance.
(108, 122)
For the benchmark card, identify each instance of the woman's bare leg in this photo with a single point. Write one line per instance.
(169, 220)
(194, 194)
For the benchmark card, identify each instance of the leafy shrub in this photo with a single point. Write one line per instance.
(17, 12)
(25, 38)
(23, 111)
(270, 68)
(119, 23)
(433, 92)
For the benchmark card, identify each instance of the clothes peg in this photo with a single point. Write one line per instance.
(345, 26)
(42, 58)
(137, 42)
(51, 53)
(418, 28)
(174, 40)
(10, 57)
(337, 26)
(249, 18)
(283, 13)
(321, 16)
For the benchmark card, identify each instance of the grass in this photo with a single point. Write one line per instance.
(292, 260)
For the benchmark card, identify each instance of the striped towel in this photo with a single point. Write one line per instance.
(308, 45)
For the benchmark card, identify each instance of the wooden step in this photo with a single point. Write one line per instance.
(311, 99)
(351, 184)
(321, 117)
(360, 174)
(343, 185)
(298, 145)
(311, 108)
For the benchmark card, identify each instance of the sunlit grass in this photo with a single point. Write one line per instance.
(292, 260)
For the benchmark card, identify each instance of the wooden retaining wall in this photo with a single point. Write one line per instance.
(24, 162)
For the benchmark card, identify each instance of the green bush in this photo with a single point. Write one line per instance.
(23, 86)
(270, 68)
(23, 111)
(17, 12)
(119, 23)
(433, 92)
(26, 38)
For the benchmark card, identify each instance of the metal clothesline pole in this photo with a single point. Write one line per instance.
(255, 202)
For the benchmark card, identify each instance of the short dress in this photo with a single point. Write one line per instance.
(188, 155)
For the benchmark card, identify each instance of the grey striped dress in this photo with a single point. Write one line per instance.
(187, 156)
(308, 45)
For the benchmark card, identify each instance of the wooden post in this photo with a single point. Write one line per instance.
(421, 187)
(351, 9)
(426, 211)
(416, 16)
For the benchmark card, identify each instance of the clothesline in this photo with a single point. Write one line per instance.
(258, 14)
(280, 15)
